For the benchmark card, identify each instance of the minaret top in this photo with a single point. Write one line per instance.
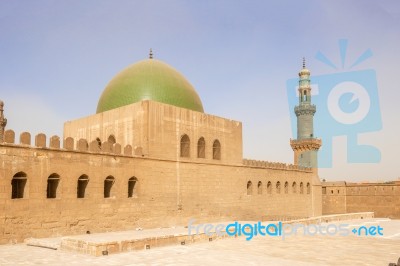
(1, 109)
(3, 122)
(304, 71)
(151, 54)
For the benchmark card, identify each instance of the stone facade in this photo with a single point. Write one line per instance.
(133, 167)
(156, 129)
(381, 198)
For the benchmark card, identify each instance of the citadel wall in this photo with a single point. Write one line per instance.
(165, 192)
(381, 198)
(333, 197)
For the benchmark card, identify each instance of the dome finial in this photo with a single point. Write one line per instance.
(151, 54)
(304, 62)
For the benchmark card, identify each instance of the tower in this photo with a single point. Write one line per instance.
(3, 122)
(306, 146)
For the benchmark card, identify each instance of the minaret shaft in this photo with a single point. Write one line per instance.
(305, 147)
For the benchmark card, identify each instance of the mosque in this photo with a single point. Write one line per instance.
(150, 157)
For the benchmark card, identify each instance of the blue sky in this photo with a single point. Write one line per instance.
(56, 57)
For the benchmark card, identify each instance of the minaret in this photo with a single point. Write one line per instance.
(306, 146)
(3, 122)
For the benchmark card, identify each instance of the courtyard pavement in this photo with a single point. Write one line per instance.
(261, 250)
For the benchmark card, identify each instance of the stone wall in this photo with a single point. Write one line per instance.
(157, 129)
(381, 198)
(333, 198)
(166, 192)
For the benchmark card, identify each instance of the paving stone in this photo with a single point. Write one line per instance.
(297, 250)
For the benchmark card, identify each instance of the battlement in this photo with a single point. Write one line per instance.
(274, 165)
(69, 144)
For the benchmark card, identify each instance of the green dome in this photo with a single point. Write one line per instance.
(149, 79)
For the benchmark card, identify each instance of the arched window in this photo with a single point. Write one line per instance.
(83, 181)
(269, 187)
(294, 188)
(131, 187)
(278, 187)
(18, 185)
(111, 139)
(216, 150)
(286, 187)
(308, 188)
(52, 185)
(201, 148)
(108, 183)
(259, 187)
(301, 188)
(249, 188)
(185, 146)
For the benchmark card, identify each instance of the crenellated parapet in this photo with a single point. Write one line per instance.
(69, 144)
(274, 165)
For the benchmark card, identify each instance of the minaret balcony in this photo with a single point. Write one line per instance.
(305, 109)
(305, 144)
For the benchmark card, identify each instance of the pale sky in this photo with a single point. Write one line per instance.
(56, 57)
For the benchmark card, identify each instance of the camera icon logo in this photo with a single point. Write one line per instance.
(343, 109)
(347, 105)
